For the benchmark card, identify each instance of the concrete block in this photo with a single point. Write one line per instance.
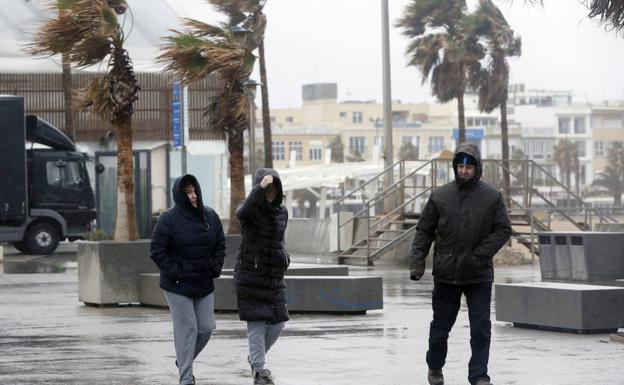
(1, 252)
(323, 294)
(561, 306)
(108, 271)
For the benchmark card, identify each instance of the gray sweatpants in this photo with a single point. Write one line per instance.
(193, 323)
(261, 335)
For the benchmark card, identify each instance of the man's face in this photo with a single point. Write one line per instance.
(192, 196)
(466, 171)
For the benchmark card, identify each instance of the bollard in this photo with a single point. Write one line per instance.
(1, 253)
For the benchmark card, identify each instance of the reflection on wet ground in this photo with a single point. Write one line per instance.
(49, 337)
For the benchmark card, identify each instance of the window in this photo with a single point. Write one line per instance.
(278, 150)
(289, 119)
(414, 140)
(296, 146)
(342, 114)
(579, 125)
(316, 153)
(315, 150)
(564, 125)
(357, 143)
(599, 148)
(357, 116)
(470, 121)
(436, 144)
(272, 119)
(63, 174)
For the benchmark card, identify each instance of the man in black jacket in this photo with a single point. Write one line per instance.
(468, 221)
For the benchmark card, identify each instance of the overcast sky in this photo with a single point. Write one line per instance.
(339, 41)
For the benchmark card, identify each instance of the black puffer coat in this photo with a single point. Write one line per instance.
(188, 244)
(262, 259)
(469, 223)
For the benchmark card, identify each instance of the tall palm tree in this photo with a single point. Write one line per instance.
(493, 90)
(89, 32)
(203, 50)
(566, 155)
(444, 47)
(613, 181)
(237, 10)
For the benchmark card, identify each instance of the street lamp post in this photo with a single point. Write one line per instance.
(251, 94)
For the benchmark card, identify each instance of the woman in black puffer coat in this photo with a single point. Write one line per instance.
(188, 246)
(259, 272)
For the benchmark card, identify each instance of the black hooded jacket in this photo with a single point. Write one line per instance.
(188, 244)
(469, 224)
(262, 259)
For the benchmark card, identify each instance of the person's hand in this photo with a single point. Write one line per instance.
(417, 271)
(267, 180)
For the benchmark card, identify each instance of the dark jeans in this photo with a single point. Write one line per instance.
(446, 301)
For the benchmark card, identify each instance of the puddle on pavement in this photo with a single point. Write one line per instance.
(43, 265)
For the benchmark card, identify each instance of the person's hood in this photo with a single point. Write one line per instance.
(181, 200)
(472, 150)
(279, 194)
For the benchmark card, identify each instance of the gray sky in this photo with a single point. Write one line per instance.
(340, 41)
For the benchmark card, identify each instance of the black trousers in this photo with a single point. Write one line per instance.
(446, 302)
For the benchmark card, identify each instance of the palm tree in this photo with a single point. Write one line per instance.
(408, 151)
(236, 10)
(612, 180)
(493, 90)
(203, 50)
(444, 46)
(88, 32)
(337, 149)
(566, 155)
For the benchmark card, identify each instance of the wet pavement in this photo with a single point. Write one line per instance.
(48, 337)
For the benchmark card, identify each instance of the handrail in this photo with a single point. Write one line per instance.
(391, 167)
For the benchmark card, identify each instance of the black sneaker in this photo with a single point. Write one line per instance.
(263, 377)
(435, 377)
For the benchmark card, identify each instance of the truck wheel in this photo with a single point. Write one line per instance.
(21, 246)
(42, 238)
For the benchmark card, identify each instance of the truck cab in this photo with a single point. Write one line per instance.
(46, 194)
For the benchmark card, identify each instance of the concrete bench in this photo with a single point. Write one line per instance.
(318, 294)
(561, 306)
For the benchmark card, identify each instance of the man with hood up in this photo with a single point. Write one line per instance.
(188, 246)
(468, 221)
(260, 267)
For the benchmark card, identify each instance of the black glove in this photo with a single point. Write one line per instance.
(417, 271)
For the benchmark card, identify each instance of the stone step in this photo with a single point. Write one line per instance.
(305, 294)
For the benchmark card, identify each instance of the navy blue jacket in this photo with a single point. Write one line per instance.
(262, 259)
(188, 244)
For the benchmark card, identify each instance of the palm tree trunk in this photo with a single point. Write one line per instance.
(66, 82)
(266, 117)
(461, 119)
(126, 224)
(505, 151)
(236, 145)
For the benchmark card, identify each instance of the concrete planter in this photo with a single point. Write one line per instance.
(108, 271)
